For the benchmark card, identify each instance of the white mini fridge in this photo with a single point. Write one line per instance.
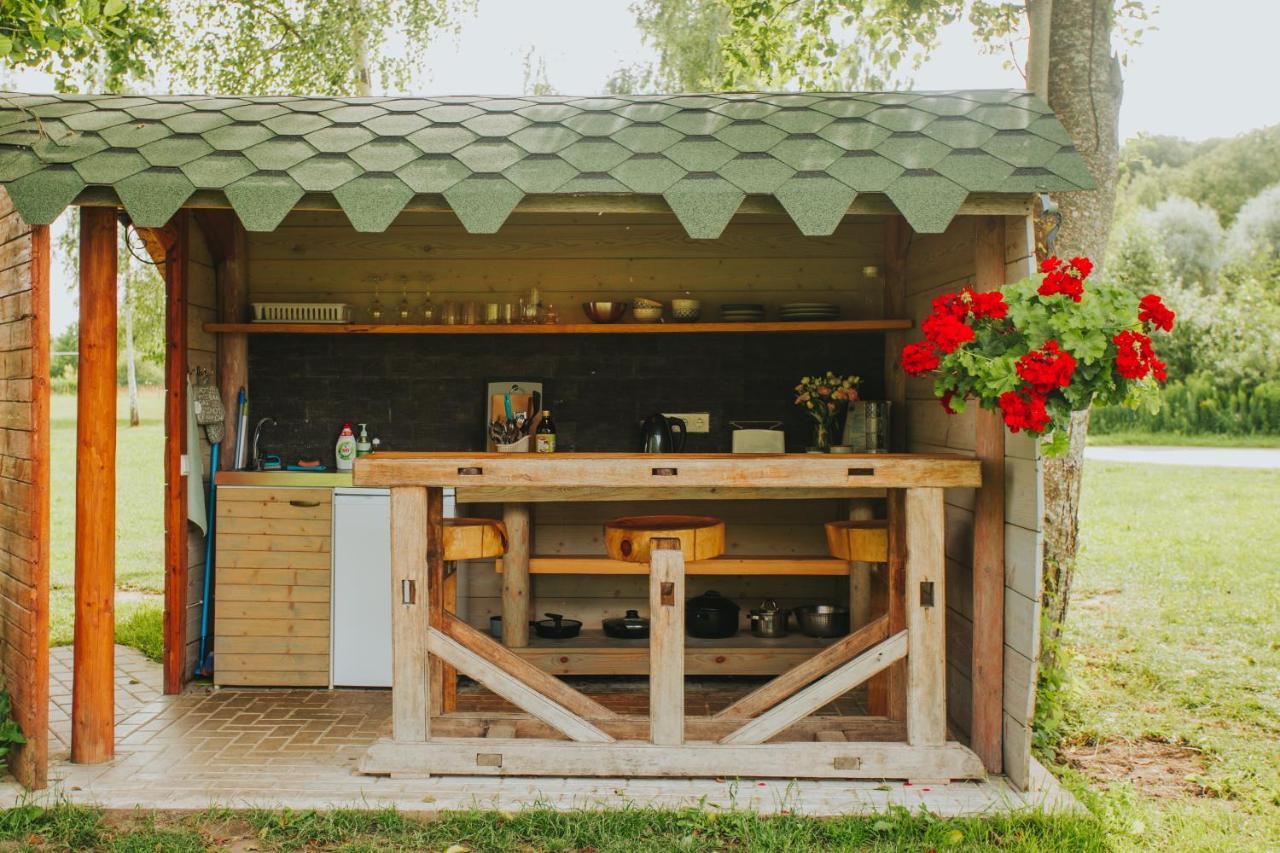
(360, 650)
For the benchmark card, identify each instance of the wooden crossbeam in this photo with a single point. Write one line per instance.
(767, 695)
(513, 690)
(821, 692)
(479, 723)
(521, 670)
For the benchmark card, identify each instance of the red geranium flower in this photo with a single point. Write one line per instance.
(1153, 310)
(987, 304)
(1135, 357)
(950, 304)
(1047, 368)
(1024, 410)
(946, 332)
(1067, 279)
(1082, 266)
(919, 357)
(947, 397)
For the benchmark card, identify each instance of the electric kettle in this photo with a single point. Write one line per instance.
(661, 434)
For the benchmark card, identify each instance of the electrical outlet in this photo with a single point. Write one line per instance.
(694, 421)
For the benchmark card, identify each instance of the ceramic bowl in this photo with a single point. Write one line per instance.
(686, 310)
(647, 313)
(644, 302)
(604, 312)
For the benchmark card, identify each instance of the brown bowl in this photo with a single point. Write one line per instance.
(604, 312)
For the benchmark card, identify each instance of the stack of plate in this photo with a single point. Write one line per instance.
(742, 312)
(794, 311)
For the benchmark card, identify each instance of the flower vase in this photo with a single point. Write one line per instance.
(821, 438)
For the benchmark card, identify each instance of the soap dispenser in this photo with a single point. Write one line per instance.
(363, 446)
(345, 451)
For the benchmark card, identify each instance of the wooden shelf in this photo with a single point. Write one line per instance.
(720, 566)
(593, 653)
(562, 329)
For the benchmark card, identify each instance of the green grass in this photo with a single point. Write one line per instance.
(628, 830)
(139, 521)
(1174, 638)
(1173, 439)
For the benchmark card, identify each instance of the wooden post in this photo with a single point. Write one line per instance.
(232, 278)
(926, 608)
(515, 575)
(860, 509)
(172, 243)
(988, 537)
(666, 642)
(897, 236)
(887, 692)
(93, 687)
(410, 540)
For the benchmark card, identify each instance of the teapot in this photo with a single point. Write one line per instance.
(661, 434)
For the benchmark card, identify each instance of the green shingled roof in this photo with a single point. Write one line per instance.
(814, 153)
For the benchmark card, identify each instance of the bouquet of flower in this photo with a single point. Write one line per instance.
(1040, 348)
(826, 399)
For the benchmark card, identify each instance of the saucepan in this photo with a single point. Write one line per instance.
(823, 620)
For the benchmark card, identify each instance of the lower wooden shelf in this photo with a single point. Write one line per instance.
(593, 653)
(718, 566)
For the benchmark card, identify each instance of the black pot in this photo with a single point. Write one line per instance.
(633, 626)
(711, 616)
(556, 627)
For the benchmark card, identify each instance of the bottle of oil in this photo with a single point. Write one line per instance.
(544, 438)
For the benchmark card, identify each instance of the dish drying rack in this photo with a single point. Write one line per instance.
(301, 312)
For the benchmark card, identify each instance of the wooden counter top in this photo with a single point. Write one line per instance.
(568, 476)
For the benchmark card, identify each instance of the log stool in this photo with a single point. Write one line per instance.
(859, 541)
(665, 542)
(464, 539)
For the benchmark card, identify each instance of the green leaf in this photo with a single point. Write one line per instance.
(6, 45)
(113, 8)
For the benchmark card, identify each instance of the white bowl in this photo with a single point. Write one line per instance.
(647, 314)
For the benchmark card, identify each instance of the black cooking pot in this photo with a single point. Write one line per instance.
(711, 616)
(633, 626)
(556, 627)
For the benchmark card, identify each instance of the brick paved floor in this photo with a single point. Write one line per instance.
(299, 748)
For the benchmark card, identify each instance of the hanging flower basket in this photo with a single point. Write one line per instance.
(1041, 348)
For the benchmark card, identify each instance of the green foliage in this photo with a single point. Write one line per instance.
(1255, 235)
(317, 47)
(1190, 237)
(1199, 405)
(79, 39)
(66, 341)
(686, 35)
(142, 628)
(10, 733)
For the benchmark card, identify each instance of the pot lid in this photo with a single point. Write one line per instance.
(712, 600)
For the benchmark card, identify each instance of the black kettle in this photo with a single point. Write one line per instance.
(661, 434)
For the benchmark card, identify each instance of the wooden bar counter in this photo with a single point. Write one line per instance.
(577, 736)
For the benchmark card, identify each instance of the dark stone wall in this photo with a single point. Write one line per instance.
(426, 392)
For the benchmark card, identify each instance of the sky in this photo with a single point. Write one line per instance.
(1200, 73)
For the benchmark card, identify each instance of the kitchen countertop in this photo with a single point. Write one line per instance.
(302, 479)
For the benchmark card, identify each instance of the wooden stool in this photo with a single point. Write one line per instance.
(859, 541)
(701, 537)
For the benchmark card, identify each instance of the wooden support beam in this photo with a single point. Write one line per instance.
(93, 686)
(229, 245)
(410, 711)
(926, 618)
(513, 690)
(856, 728)
(435, 593)
(988, 536)
(827, 689)
(833, 656)
(480, 756)
(171, 244)
(515, 576)
(517, 667)
(860, 509)
(887, 693)
(897, 237)
(666, 642)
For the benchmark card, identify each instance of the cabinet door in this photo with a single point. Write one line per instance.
(273, 580)
(362, 591)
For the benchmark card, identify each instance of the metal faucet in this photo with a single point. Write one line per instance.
(257, 432)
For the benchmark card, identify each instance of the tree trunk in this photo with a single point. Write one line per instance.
(131, 365)
(360, 47)
(1085, 90)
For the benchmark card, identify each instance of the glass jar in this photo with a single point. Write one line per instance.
(428, 310)
(875, 415)
(491, 313)
(449, 313)
(470, 313)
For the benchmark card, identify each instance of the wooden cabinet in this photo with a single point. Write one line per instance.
(271, 601)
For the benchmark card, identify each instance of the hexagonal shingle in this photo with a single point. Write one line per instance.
(134, 134)
(41, 196)
(263, 201)
(973, 170)
(854, 134)
(483, 202)
(440, 139)
(595, 155)
(548, 112)
(648, 173)
(339, 139)
(107, 167)
(704, 204)
(809, 153)
(396, 124)
(353, 114)
(372, 202)
(324, 172)
(256, 112)
(276, 155)
(647, 138)
(647, 112)
(296, 124)
(959, 132)
(815, 202)
(750, 135)
(696, 122)
(864, 171)
(846, 107)
(544, 138)
(911, 151)
(432, 173)
(195, 122)
(384, 155)
(450, 113)
(236, 137)
(1021, 149)
(216, 170)
(153, 197)
(1003, 117)
(175, 151)
(540, 173)
(901, 119)
(745, 110)
(96, 120)
(927, 200)
(700, 153)
(799, 120)
(596, 124)
(69, 151)
(496, 124)
(756, 172)
(489, 155)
